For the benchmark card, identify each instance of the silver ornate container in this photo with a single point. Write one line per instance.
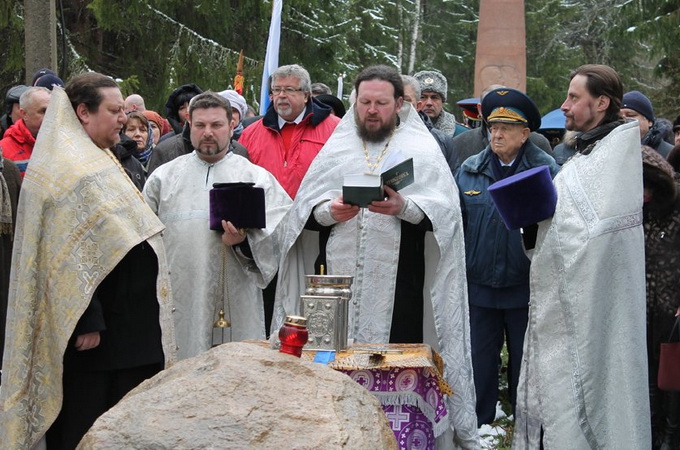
(326, 306)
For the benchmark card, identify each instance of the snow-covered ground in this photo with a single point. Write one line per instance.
(492, 435)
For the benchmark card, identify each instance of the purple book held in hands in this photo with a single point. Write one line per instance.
(242, 204)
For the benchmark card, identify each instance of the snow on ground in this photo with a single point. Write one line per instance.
(491, 435)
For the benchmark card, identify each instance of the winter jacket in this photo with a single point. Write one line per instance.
(10, 173)
(654, 139)
(445, 141)
(565, 149)
(17, 145)
(447, 124)
(179, 145)
(494, 255)
(265, 144)
(133, 168)
(661, 224)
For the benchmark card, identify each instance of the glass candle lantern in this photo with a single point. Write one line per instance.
(293, 335)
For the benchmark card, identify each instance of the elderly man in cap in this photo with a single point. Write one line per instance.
(637, 106)
(497, 267)
(433, 89)
(17, 145)
(11, 108)
(468, 144)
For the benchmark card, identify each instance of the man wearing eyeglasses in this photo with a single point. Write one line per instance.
(286, 140)
(293, 130)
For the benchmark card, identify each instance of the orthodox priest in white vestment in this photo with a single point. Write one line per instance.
(367, 247)
(206, 275)
(583, 382)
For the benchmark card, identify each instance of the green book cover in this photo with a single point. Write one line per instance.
(399, 176)
(361, 189)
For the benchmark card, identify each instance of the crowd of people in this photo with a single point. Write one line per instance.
(110, 271)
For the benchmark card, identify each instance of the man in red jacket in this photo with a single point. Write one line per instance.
(291, 133)
(287, 139)
(17, 145)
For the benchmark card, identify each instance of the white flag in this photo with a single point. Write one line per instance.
(271, 58)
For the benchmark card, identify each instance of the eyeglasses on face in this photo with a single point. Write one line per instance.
(285, 90)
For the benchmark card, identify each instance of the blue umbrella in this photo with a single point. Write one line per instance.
(554, 120)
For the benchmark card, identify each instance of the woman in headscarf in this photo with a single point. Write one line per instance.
(155, 123)
(137, 128)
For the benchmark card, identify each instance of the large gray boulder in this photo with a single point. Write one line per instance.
(241, 395)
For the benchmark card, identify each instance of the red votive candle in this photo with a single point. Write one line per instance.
(293, 335)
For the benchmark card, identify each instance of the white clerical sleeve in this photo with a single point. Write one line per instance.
(151, 192)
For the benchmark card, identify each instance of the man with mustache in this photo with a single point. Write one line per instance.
(286, 140)
(405, 252)
(214, 270)
(293, 130)
(433, 91)
(583, 380)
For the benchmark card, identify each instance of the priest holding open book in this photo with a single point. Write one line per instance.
(403, 244)
(221, 214)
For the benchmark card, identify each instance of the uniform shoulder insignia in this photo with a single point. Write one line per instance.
(472, 192)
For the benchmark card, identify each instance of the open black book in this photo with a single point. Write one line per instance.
(362, 188)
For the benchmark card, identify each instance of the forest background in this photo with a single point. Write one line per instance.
(153, 46)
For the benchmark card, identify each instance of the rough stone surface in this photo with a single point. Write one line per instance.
(241, 395)
(501, 45)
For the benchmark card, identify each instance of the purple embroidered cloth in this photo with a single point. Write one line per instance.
(411, 400)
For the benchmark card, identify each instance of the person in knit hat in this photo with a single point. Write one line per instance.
(636, 105)
(41, 73)
(239, 108)
(49, 81)
(433, 89)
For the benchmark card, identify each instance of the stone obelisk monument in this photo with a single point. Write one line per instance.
(501, 45)
(40, 25)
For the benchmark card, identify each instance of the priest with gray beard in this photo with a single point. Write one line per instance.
(405, 252)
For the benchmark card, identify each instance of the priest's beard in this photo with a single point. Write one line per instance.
(374, 135)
